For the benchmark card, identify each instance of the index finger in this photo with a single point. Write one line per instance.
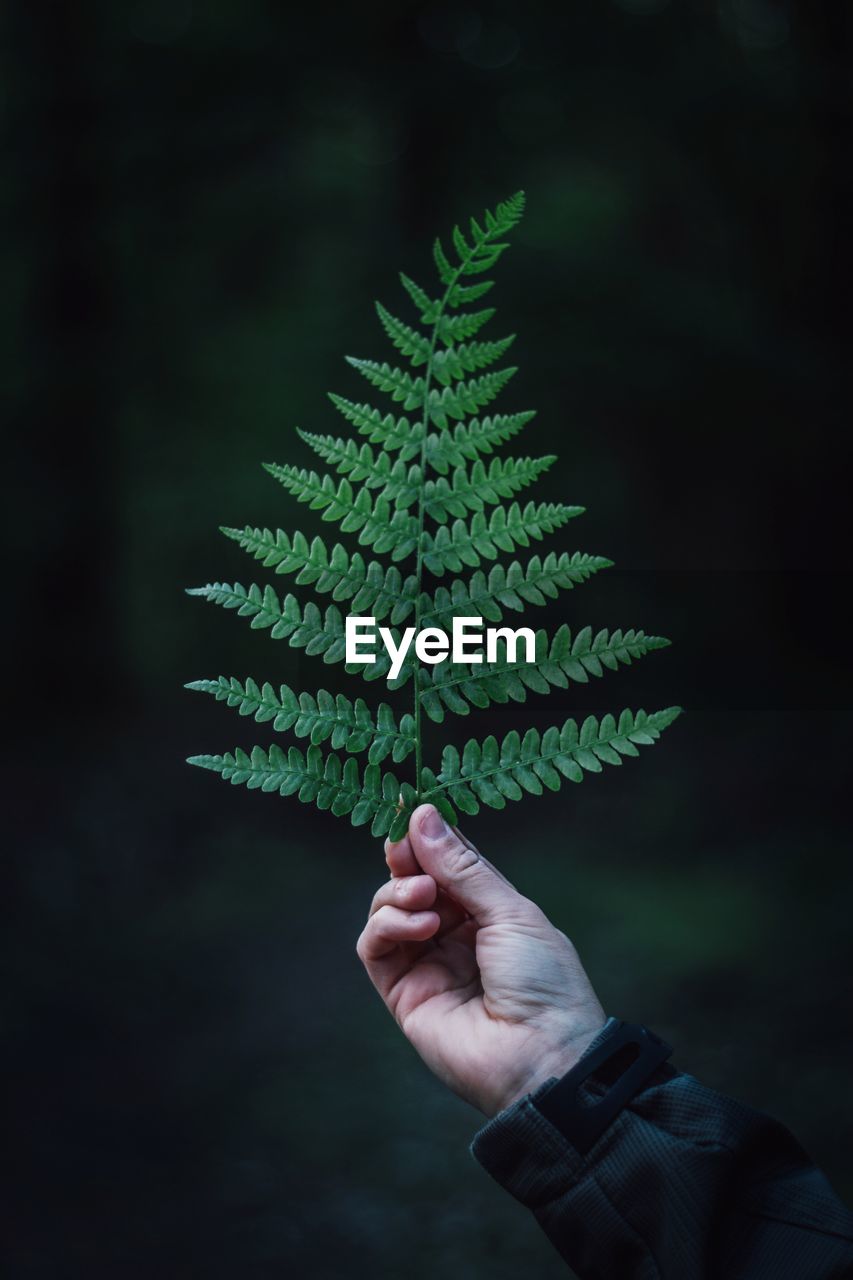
(401, 859)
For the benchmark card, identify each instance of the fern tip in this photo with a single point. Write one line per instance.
(669, 714)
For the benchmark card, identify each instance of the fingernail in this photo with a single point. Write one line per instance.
(432, 824)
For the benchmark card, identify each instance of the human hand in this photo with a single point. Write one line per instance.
(489, 992)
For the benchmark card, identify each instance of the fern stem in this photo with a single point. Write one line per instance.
(422, 503)
(419, 566)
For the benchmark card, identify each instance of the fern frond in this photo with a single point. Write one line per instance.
(369, 797)
(556, 663)
(453, 546)
(345, 575)
(510, 587)
(357, 511)
(474, 489)
(423, 482)
(308, 628)
(491, 773)
(350, 726)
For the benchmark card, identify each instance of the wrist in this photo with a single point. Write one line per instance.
(552, 1060)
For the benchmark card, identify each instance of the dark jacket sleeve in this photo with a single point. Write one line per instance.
(686, 1184)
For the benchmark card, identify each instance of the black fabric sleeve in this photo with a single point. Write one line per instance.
(686, 1184)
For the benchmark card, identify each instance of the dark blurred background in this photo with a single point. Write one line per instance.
(201, 203)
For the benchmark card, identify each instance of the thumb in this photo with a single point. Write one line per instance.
(460, 870)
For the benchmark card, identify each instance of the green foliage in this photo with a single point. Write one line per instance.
(453, 685)
(422, 488)
(350, 726)
(492, 773)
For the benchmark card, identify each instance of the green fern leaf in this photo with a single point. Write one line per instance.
(453, 363)
(350, 726)
(405, 339)
(460, 294)
(458, 401)
(446, 274)
(429, 308)
(305, 627)
(465, 398)
(452, 546)
(425, 485)
(452, 329)
(395, 382)
(399, 483)
(491, 773)
(474, 489)
(511, 587)
(556, 663)
(369, 797)
(357, 511)
(467, 440)
(370, 586)
(392, 433)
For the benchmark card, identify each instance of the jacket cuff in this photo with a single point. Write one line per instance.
(524, 1152)
(681, 1176)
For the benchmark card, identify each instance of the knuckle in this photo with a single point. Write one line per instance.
(459, 859)
(383, 919)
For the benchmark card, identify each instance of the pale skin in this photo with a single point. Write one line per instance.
(491, 994)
